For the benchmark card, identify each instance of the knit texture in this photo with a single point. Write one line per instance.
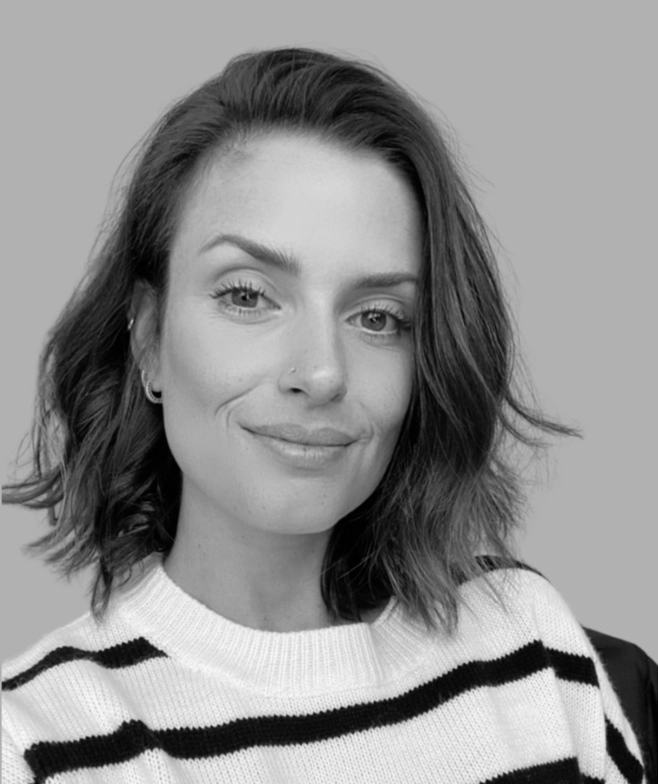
(165, 690)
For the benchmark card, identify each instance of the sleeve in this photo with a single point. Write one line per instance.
(15, 769)
(634, 677)
(608, 750)
(623, 755)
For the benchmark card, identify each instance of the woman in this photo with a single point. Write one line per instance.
(278, 419)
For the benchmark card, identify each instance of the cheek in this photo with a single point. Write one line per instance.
(189, 367)
(386, 391)
(201, 361)
(200, 375)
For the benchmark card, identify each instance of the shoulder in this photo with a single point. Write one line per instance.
(107, 643)
(61, 681)
(512, 614)
(29, 681)
(518, 596)
(74, 634)
(516, 602)
(532, 632)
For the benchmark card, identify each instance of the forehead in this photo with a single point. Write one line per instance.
(305, 196)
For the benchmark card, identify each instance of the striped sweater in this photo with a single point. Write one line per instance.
(165, 690)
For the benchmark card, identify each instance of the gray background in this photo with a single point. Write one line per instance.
(553, 107)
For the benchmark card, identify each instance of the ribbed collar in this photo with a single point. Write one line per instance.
(306, 662)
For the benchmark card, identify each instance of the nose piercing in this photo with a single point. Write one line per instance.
(292, 370)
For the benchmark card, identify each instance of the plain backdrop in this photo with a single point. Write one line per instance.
(553, 107)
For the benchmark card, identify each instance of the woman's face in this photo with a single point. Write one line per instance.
(285, 359)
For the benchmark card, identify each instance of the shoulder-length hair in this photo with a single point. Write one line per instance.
(101, 465)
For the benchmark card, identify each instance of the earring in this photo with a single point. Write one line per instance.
(131, 322)
(151, 396)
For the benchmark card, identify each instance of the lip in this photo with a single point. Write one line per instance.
(303, 448)
(304, 436)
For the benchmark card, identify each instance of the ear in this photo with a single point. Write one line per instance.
(144, 333)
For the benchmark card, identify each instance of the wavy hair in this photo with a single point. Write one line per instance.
(101, 465)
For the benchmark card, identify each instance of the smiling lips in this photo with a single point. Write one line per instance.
(297, 434)
(304, 448)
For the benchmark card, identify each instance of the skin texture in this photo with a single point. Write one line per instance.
(255, 521)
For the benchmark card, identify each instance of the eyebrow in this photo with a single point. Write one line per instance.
(287, 263)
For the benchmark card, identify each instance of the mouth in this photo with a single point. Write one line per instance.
(304, 436)
(305, 449)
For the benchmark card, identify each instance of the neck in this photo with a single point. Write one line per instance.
(259, 579)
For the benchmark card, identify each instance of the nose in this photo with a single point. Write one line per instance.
(315, 363)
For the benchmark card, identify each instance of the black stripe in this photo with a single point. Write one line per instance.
(560, 772)
(567, 666)
(133, 738)
(629, 766)
(573, 667)
(125, 654)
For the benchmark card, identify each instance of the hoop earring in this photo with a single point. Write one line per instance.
(151, 396)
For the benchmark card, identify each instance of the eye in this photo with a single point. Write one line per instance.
(382, 321)
(377, 320)
(242, 298)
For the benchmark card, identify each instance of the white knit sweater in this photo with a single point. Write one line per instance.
(165, 690)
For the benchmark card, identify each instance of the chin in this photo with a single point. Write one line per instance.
(291, 526)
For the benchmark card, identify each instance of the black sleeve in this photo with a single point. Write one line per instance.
(634, 675)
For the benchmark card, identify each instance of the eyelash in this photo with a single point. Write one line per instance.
(403, 323)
